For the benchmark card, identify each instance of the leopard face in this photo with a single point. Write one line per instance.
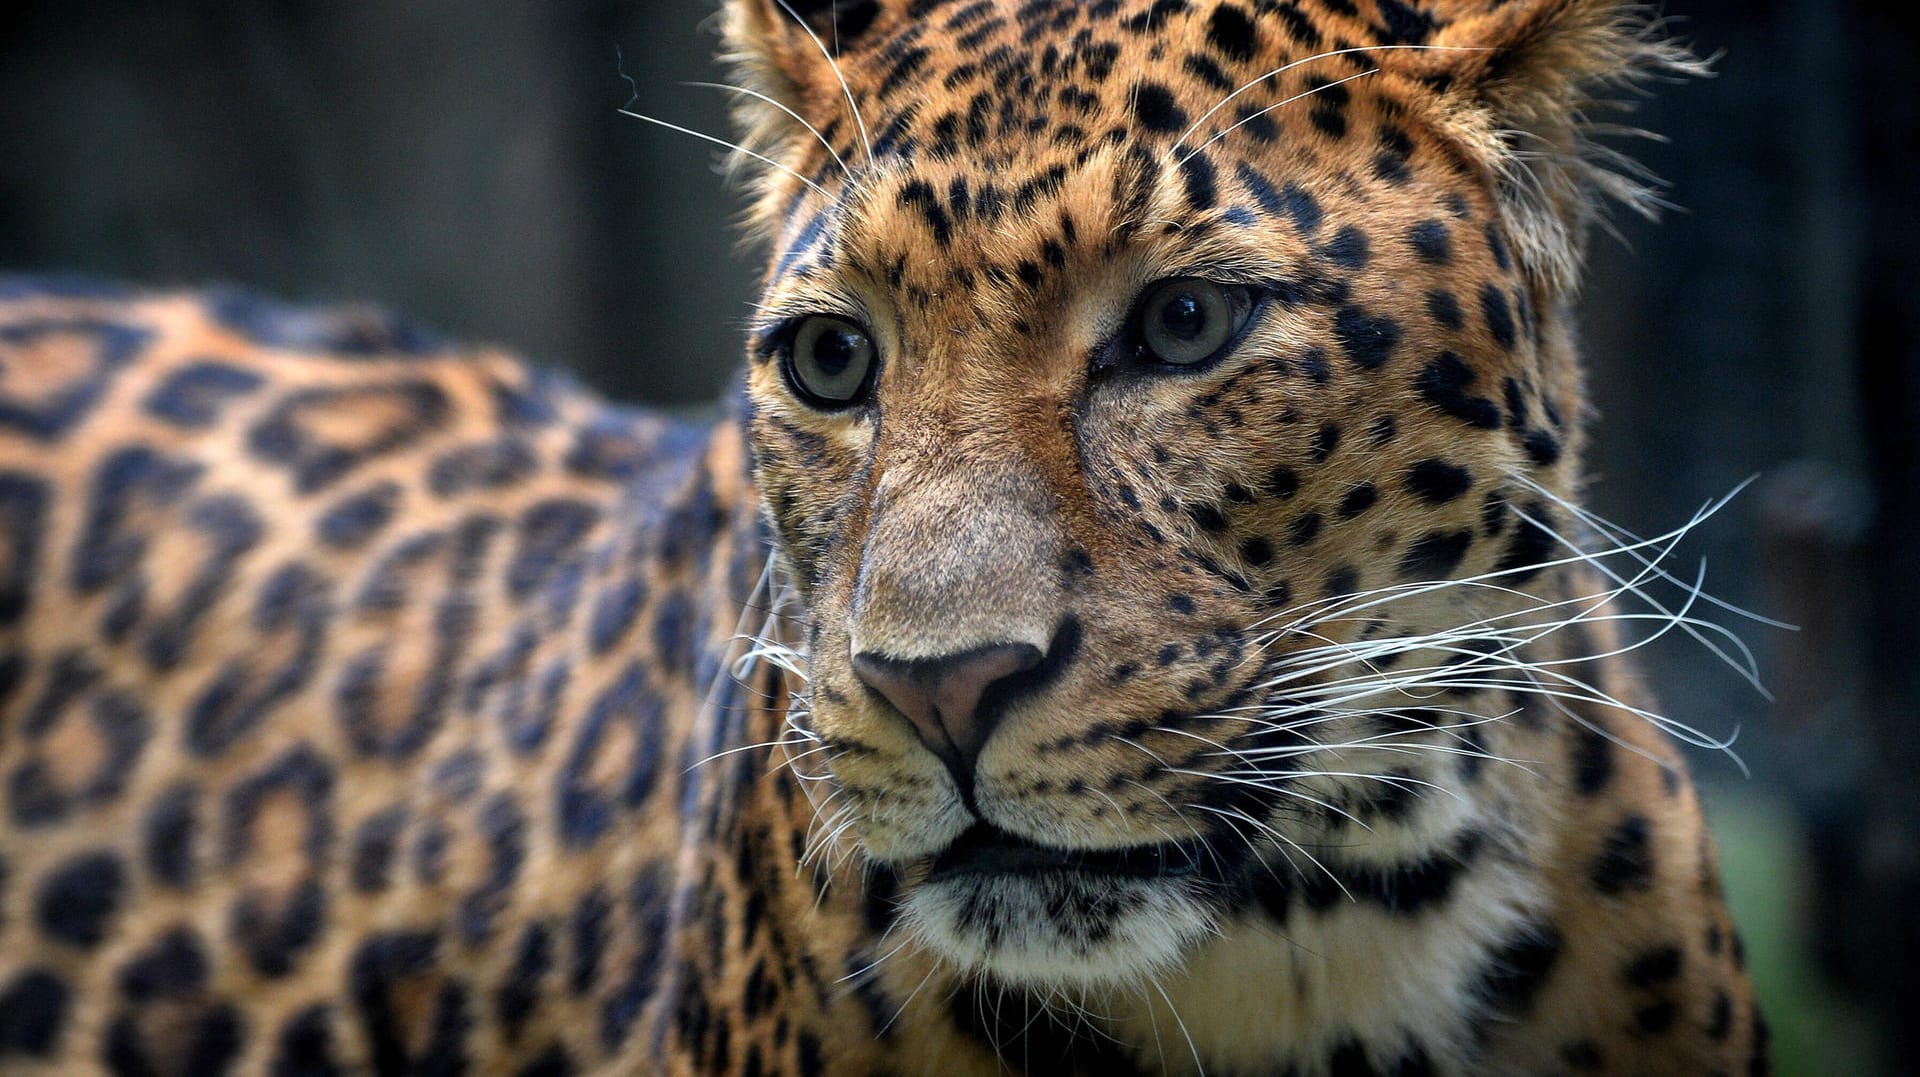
(1152, 409)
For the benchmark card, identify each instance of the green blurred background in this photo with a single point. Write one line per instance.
(464, 162)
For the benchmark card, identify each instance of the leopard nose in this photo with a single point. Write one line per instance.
(941, 696)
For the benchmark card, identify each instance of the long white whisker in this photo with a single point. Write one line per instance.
(1184, 158)
(797, 118)
(860, 973)
(1282, 839)
(1198, 1066)
(1745, 667)
(834, 65)
(1284, 68)
(933, 968)
(736, 147)
(1377, 597)
(1254, 779)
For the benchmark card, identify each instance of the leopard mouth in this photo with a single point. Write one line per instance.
(987, 850)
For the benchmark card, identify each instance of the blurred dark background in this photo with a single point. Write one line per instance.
(463, 162)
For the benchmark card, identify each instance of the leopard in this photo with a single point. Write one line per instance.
(1133, 612)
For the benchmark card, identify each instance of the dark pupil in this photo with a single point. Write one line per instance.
(833, 352)
(1184, 317)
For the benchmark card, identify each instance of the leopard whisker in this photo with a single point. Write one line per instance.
(1397, 749)
(1259, 758)
(1198, 1066)
(1386, 779)
(1580, 692)
(808, 782)
(1158, 1047)
(1264, 780)
(1199, 833)
(1036, 1009)
(1233, 813)
(1470, 648)
(1459, 676)
(937, 965)
(778, 742)
(1190, 154)
(1251, 756)
(824, 829)
(1264, 725)
(1615, 533)
(765, 646)
(797, 118)
(862, 972)
(1033, 1012)
(830, 853)
(1289, 66)
(813, 777)
(1322, 610)
(1206, 845)
(1121, 813)
(792, 762)
(734, 146)
(1668, 621)
(1415, 726)
(1150, 754)
(833, 65)
(1208, 741)
(1310, 661)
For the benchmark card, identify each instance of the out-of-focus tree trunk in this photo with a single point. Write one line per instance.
(1877, 883)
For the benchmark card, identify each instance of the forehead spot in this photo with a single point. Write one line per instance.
(1156, 110)
(1232, 33)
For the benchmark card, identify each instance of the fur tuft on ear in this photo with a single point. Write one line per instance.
(787, 81)
(1522, 81)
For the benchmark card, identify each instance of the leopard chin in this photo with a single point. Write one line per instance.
(997, 906)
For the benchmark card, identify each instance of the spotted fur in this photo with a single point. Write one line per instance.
(373, 704)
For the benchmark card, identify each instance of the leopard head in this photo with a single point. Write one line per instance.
(1149, 398)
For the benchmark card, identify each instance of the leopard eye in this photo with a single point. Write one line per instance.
(830, 361)
(1187, 320)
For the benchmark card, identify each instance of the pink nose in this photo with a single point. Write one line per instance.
(941, 696)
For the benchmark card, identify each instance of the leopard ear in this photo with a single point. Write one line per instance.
(784, 51)
(1521, 82)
